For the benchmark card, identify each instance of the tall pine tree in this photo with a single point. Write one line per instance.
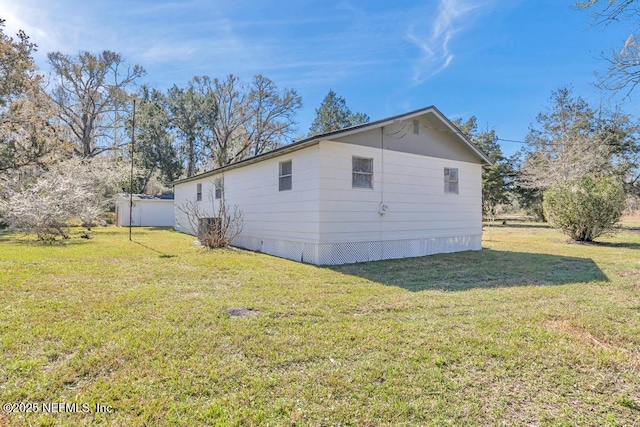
(334, 114)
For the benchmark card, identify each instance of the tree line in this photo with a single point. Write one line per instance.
(81, 120)
(570, 144)
(77, 126)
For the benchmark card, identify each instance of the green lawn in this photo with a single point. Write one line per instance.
(531, 330)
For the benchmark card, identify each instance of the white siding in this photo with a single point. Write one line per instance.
(146, 213)
(323, 220)
(412, 186)
(268, 213)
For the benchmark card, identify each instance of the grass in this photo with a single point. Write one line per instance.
(529, 331)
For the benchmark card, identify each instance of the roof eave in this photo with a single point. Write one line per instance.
(298, 145)
(274, 153)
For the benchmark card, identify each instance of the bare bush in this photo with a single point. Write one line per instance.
(215, 231)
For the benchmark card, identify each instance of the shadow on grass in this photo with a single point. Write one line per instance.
(21, 239)
(162, 254)
(625, 245)
(119, 229)
(477, 269)
(510, 224)
(147, 230)
(631, 228)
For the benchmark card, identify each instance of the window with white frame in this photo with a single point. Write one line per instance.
(199, 192)
(218, 188)
(450, 180)
(285, 176)
(362, 172)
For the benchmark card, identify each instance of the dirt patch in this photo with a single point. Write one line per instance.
(241, 312)
(579, 333)
(630, 273)
(585, 337)
(634, 217)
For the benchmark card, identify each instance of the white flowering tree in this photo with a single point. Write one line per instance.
(71, 190)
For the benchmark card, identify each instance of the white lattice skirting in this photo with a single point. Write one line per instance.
(346, 253)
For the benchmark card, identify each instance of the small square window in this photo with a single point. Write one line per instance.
(285, 176)
(450, 180)
(362, 172)
(218, 188)
(199, 192)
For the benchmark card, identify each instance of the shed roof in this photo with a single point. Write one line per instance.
(159, 197)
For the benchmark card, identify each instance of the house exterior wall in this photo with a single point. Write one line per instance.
(146, 213)
(420, 220)
(269, 215)
(433, 139)
(323, 220)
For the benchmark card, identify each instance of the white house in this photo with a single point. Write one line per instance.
(148, 211)
(405, 186)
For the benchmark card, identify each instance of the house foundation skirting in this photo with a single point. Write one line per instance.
(351, 252)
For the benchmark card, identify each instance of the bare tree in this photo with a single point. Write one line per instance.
(573, 139)
(225, 121)
(91, 94)
(272, 116)
(229, 131)
(251, 119)
(623, 71)
(215, 231)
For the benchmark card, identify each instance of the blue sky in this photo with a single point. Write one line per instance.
(496, 59)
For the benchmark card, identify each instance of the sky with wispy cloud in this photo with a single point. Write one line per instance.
(496, 59)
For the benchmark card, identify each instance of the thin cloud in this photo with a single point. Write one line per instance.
(39, 28)
(434, 46)
(160, 50)
(316, 48)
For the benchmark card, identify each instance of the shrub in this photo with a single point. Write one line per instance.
(44, 205)
(215, 224)
(586, 208)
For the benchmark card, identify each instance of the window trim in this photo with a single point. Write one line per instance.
(282, 177)
(199, 192)
(218, 188)
(448, 181)
(361, 173)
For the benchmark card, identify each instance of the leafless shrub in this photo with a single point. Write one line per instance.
(215, 231)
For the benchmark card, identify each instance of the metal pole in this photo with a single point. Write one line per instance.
(133, 138)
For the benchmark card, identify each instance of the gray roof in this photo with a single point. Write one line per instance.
(167, 196)
(298, 145)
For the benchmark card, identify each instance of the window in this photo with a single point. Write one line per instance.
(218, 187)
(450, 181)
(199, 192)
(416, 127)
(362, 172)
(284, 176)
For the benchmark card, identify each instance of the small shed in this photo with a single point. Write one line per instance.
(148, 210)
